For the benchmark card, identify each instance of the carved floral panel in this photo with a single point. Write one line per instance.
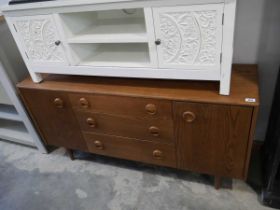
(38, 36)
(189, 38)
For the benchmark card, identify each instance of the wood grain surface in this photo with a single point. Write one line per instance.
(244, 85)
(131, 149)
(183, 124)
(124, 106)
(216, 142)
(132, 127)
(58, 125)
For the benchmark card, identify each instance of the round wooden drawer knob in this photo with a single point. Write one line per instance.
(154, 131)
(98, 145)
(189, 116)
(91, 122)
(151, 109)
(84, 103)
(157, 154)
(58, 102)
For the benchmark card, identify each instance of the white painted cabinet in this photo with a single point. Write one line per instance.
(15, 124)
(190, 36)
(126, 38)
(39, 40)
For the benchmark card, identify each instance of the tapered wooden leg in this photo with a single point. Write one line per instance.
(70, 153)
(218, 182)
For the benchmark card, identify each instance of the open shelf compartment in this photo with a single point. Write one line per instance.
(14, 131)
(112, 55)
(4, 98)
(110, 26)
(9, 112)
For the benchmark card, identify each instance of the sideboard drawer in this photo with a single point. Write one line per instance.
(151, 129)
(144, 151)
(122, 105)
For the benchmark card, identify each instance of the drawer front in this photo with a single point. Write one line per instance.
(121, 105)
(131, 149)
(152, 129)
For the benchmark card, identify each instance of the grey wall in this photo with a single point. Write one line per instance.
(3, 2)
(257, 40)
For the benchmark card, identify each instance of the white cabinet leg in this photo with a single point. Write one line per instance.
(36, 77)
(225, 85)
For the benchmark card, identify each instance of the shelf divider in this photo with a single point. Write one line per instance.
(113, 31)
(109, 38)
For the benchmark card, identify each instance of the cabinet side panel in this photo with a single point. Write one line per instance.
(227, 46)
(58, 126)
(151, 36)
(216, 141)
(250, 141)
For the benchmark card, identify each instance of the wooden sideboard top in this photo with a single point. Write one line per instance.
(244, 86)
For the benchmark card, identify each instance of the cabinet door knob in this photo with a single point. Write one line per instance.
(158, 42)
(98, 145)
(84, 103)
(154, 131)
(91, 122)
(151, 109)
(57, 43)
(157, 154)
(58, 102)
(189, 116)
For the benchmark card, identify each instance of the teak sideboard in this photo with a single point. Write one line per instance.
(184, 125)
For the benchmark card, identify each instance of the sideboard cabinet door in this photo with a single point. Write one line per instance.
(189, 37)
(213, 139)
(38, 39)
(53, 116)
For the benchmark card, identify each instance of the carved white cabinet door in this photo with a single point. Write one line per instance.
(189, 37)
(38, 40)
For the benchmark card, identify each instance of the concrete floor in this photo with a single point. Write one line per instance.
(33, 181)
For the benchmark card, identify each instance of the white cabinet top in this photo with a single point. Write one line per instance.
(70, 5)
